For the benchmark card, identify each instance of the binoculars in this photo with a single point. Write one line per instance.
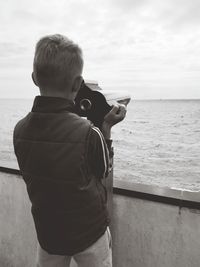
(94, 103)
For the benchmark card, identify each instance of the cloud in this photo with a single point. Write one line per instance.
(8, 49)
(125, 42)
(127, 5)
(176, 16)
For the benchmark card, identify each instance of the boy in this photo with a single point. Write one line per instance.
(63, 159)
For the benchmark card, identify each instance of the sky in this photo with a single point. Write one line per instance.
(149, 48)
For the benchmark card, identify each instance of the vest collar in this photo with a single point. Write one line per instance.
(46, 104)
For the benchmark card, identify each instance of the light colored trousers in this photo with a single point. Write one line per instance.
(97, 255)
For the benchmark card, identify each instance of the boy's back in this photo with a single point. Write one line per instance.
(68, 201)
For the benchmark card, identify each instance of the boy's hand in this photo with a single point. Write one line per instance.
(117, 114)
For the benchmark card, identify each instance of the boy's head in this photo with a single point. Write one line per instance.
(57, 66)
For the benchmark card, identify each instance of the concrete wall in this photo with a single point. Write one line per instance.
(17, 234)
(152, 234)
(145, 233)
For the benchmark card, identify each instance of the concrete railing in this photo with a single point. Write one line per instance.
(17, 234)
(155, 227)
(151, 226)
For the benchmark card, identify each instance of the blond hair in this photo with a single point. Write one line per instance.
(57, 61)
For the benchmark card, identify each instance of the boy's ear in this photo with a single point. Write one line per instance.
(77, 84)
(34, 78)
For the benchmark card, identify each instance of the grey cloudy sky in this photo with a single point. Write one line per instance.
(149, 47)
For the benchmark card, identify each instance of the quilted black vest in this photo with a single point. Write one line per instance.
(68, 202)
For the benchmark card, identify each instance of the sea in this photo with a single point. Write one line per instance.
(158, 142)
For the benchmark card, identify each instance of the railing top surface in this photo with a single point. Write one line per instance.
(154, 190)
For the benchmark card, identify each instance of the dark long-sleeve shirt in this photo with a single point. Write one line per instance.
(99, 153)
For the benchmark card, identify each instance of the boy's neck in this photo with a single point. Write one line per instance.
(60, 94)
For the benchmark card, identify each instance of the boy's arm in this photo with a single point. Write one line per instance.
(99, 153)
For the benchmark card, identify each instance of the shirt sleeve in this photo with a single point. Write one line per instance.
(99, 153)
